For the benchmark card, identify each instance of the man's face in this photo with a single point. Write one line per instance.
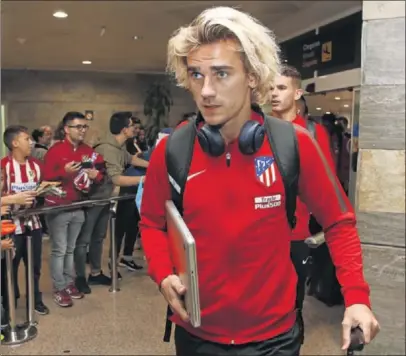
(76, 130)
(218, 81)
(137, 128)
(284, 93)
(47, 136)
(141, 135)
(129, 130)
(23, 143)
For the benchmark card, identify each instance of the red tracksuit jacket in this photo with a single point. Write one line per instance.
(54, 168)
(301, 231)
(247, 281)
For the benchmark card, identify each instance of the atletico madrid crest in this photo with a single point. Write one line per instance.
(265, 170)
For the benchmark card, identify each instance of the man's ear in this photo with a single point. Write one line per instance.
(252, 81)
(14, 143)
(298, 94)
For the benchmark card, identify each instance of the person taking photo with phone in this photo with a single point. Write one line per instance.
(67, 161)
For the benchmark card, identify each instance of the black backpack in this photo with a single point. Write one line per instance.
(283, 141)
(322, 281)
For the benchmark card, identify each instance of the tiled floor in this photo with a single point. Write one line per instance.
(131, 321)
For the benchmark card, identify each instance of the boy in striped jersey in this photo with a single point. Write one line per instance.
(23, 173)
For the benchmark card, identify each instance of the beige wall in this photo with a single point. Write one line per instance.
(35, 98)
(381, 170)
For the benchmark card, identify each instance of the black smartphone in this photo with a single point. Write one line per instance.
(86, 165)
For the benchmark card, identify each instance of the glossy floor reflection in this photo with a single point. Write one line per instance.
(131, 322)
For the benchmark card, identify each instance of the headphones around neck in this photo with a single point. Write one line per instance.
(249, 141)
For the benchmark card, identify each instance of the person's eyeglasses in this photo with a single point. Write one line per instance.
(79, 127)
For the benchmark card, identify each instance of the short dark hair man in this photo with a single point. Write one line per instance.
(77, 166)
(116, 158)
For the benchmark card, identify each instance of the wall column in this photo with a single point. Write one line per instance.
(380, 194)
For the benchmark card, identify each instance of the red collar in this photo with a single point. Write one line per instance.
(70, 144)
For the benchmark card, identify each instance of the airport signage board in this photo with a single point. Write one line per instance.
(336, 47)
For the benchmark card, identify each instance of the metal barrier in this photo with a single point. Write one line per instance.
(114, 273)
(30, 280)
(16, 334)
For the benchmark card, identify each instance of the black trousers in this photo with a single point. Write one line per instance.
(299, 253)
(3, 280)
(20, 243)
(287, 344)
(127, 219)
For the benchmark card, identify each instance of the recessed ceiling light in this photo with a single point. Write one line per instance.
(328, 112)
(87, 62)
(337, 98)
(346, 106)
(135, 38)
(60, 14)
(318, 109)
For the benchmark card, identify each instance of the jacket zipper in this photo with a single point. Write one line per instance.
(228, 159)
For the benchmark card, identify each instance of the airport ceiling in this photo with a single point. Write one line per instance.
(104, 32)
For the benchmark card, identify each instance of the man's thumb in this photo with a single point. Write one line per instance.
(346, 334)
(178, 286)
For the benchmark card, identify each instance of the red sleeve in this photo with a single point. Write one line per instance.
(323, 139)
(153, 223)
(54, 168)
(41, 168)
(4, 176)
(320, 190)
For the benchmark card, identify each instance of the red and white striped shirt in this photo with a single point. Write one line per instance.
(20, 178)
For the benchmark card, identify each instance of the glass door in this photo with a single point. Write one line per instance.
(354, 146)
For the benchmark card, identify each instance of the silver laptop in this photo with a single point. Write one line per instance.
(183, 250)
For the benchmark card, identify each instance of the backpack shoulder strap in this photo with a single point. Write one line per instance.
(311, 127)
(178, 156)
(283, 141)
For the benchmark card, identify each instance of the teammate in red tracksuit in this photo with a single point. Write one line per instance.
(284, 96)
(247, 281)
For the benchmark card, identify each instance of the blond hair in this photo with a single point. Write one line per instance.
(258, 46)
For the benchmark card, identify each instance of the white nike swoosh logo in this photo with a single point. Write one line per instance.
(195, 174)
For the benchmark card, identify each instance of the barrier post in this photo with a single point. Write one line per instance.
(15, 334)
(30, 280)
(114, 273)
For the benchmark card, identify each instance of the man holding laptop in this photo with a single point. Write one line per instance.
(234, 201)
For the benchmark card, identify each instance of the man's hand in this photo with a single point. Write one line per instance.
(92, 173)
(139, 162)
(5, 210)
(7, 244)
(23, 198)
(359, 315)
(172, 289)
(72, 167)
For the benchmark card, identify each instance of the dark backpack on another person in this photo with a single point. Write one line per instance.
(322, 282)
